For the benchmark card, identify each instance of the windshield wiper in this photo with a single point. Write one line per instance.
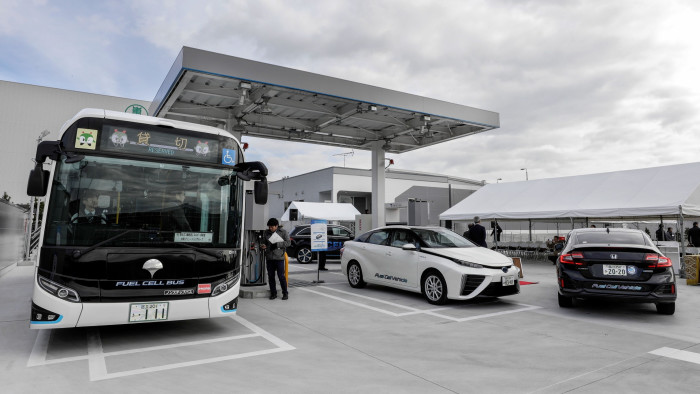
(77, 253)
(198, 249)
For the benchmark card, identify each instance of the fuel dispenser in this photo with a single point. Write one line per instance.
(254, 272)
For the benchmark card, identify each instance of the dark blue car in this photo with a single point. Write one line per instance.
(301, 242)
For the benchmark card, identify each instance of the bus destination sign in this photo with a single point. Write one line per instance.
(158, 143)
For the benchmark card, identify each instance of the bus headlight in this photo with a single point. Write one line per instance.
(225, 285)
(60, 291)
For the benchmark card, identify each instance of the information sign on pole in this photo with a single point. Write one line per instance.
(319, 235)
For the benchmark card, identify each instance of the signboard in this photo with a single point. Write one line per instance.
(319, 235)
(193, 237)
(136, 109)
(162, 144)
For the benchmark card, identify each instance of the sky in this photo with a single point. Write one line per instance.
(581, 86)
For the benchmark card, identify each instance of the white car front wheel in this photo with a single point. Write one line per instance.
(435, 288)
(355, 275)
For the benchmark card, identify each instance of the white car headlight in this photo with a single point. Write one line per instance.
(468, 264)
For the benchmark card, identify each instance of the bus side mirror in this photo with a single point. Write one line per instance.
(260, 191)
(38, 182)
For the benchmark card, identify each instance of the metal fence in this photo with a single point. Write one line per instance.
(13, 220)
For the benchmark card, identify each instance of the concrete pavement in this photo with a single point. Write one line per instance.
(331, 338)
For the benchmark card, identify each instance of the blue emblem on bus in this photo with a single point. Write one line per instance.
(228, 157)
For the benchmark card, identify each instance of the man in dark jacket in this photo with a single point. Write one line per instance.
(694, 235)
(478, 233)
(274, 254)
(660, 234)
(466, 233)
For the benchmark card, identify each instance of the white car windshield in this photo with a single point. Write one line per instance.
(442, 238)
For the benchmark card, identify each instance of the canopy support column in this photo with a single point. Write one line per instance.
(681, 235)
(378, 184)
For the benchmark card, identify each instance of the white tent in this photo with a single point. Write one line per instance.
(648, 192)
(322, 210)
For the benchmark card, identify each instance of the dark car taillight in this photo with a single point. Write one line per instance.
(658, 261)
(569, 258)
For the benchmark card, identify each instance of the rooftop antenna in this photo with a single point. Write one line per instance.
(346, 154)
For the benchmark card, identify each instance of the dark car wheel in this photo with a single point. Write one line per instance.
(304, 255)
(666, 308)
(564, 301)
(434, 288)
(355, 276)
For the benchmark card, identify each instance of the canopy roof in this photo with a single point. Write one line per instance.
(268, 101)
(322, 210)
(647, 192)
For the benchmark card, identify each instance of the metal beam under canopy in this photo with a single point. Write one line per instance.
(267, 101)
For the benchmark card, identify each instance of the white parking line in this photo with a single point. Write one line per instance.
(463, 319)
(96, 355)
(413, 311)
(350, 302)
(677, 354)
(372, 299)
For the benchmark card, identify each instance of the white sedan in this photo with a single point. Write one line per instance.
(433, 261)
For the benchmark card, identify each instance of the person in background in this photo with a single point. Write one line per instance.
(274, 254)
(669, 235)
(477, 234)
(466, 233)
(694, 235)
(496, 228)
(593, 226)
(660, 234)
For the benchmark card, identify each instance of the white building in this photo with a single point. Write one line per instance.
(26, 111)
(352, 185)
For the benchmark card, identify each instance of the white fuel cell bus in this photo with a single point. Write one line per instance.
(143, 221)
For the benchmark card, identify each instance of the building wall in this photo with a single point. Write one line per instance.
(438, 199)
(326, 185)
(314, 186)
(27, 110)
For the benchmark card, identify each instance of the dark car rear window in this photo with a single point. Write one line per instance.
(610, 238)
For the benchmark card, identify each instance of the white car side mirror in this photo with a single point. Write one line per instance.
(408, 247)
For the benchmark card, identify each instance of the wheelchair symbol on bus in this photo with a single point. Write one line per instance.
(228, 157)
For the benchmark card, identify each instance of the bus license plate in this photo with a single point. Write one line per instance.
(614, 269)
(507, 280)
(148, 312)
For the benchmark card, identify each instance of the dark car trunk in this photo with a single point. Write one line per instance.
(620, 264)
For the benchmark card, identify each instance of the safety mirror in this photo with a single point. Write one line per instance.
(260, 191)
(408, 247)
(38, 182)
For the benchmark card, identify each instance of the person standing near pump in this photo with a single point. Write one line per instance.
(276, 241)
(477, 234)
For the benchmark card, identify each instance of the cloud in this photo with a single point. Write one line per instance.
(581, 87)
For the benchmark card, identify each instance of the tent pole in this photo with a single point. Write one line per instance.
(529, 221)
(682, 233)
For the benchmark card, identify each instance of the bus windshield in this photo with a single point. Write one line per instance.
(125, 202)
